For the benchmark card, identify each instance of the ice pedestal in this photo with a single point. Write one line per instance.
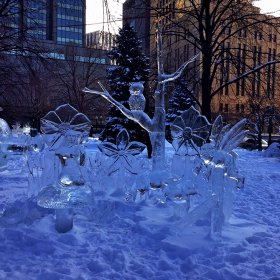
(64, 220)
(64, 199)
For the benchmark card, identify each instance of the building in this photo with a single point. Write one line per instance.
(138, 14)
(100, 40)
(46, 63)
(239, 48)
(59, 21)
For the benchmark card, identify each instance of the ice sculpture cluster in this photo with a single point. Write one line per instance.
(202, 176)
(199, 179)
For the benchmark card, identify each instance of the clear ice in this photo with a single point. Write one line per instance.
(65, 133)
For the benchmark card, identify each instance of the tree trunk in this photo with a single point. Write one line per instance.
(206, 87)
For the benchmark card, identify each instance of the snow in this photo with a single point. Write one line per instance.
(120, 239)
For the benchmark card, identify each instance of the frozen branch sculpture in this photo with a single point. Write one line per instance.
(156, 125)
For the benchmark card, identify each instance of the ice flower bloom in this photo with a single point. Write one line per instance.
(122, 155)
(57, 123)
(189, 132)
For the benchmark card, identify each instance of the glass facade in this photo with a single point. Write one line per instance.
(61, 21)
(70, 22)
(36, 20)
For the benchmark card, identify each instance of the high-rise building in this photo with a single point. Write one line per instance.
(59, 21)
(44, 61)
(138, 14)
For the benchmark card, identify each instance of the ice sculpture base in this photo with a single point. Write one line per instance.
(64, 199)
(64, 220)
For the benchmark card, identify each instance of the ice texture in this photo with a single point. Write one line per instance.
(5, 130)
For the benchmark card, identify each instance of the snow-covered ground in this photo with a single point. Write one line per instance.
(127, 240)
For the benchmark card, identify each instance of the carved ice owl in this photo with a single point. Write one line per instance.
(136, 100)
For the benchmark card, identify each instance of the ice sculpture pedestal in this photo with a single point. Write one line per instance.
(64, 199)
(64, 220)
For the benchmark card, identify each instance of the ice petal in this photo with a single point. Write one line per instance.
(179, 123)
(80, 123)
(66, 113)
(50, 122)
(107, 148)
(122, 139)
(135, 148)
(189, 116)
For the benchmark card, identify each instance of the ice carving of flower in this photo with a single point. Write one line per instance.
(122, 155)
(189, 132)
(57, 123)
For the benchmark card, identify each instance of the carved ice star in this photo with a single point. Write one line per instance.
(121, 155)
(189, 131)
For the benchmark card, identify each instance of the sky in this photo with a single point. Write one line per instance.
(96, 13)
(268, 6)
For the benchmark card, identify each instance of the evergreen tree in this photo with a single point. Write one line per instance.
(131, 66)
(180, 101)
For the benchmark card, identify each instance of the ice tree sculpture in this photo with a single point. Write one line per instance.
(66, 130)
(121, 157)
(156, 125)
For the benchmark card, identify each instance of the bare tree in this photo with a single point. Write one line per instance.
(234, 40)
(22, 26)
(82, 67)
(27, 90)
(262, 114)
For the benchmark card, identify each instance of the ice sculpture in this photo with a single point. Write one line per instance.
(13, 148)
(137, 100)
(65, 132)
(35, 164)
(121, 157)
(213, 175)
(156, 125)
(5, 131)
(189, 132)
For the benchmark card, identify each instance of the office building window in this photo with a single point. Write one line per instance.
(237, 108)
(226, 107)
(70, 22)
